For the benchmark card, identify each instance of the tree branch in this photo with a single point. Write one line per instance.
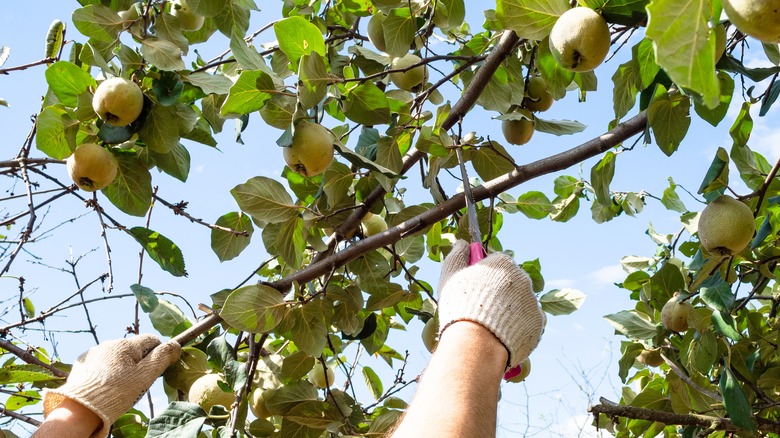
(489, 189)
(612, 409)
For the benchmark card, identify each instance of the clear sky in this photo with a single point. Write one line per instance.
(572, 367)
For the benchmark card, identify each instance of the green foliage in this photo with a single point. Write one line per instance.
(305, 307)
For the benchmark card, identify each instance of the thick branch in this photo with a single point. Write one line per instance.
(612, 409)
(504, 47)
(491, 188)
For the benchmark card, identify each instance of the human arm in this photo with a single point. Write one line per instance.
(69, 420)
(105, 382)
(458, 392)
(490, 321)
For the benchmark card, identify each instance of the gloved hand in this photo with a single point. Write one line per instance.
(110, 377)
(494, 293)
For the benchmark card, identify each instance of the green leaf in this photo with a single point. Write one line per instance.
(726, 326)
(684, 47)
(250, 92)
(67, 81)
(255, 308)
(363, 162)
(296, 366)
(10, 374)
(717, 175)
(718, 297)
(743, 126)
(288, 396)
(178, 420)
(146, 297)
(668, 116)
(562, 301)
(56, 136)
(207, 8)
(713, 116)
(492, 161)
(735, 401)
(531, 19)
(670, 200)
(298, 37)
(131, 191)
(291, 242)
(449, 14)
(367, 104)
(496, 95)
(309, 330)
(601, 176)
(161, 130)
(227, 245)
(632, 325)
(556, 77)
(315, 414)
(559, 127)
(378, 337)
(373, 382)
(399, 28)
(233, 20)
(209, 83)
(265, 199)
(161, 249)
(534, 204)
(313, 80)
(625, 88)
(98, 22)
(175, 163)
(168, 319)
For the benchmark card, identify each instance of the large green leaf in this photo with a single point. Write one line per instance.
(56, 136)
(131, 190)
(179, 419)
(531, 19)
(161, 249)
(298, 37)
(67, 81)
(227, 245)
(632, 325)
(310, 330)
(265, 199)
(98, 22)
(668, 116)
(562, 301)
(367, 104)
(250, 92)
(399, 28)
(685, 45)
(601, 176)
(735, 401)
(313, 80)
(255, 308)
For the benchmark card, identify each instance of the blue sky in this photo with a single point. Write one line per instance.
(574, 364)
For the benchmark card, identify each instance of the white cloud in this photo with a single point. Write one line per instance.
(607, 275)
(560, 283)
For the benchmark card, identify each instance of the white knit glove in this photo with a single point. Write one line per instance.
(494, 293)
(110, 377)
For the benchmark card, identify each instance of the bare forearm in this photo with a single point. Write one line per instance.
(458, 392)
(69, 420)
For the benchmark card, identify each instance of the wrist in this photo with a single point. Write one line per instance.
(69, 419)
(471, 336)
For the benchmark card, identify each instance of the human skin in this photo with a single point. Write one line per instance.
(69, 420)
(458, 392)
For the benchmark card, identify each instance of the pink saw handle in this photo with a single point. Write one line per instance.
(476, 253)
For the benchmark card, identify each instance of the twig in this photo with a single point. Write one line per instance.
(20, 417)
(179, 210)
(5, 71)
